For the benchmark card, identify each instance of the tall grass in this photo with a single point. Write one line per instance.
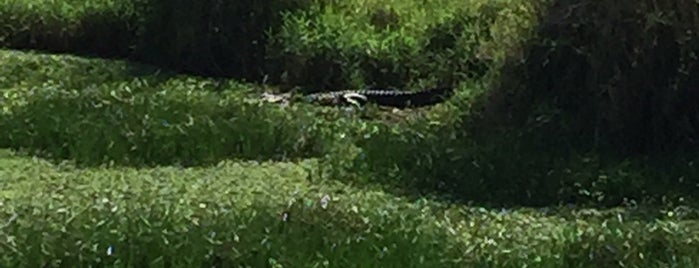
(114, 117)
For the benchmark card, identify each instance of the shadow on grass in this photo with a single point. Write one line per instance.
(511, 168)
(97, 33)
(560, 132)
(211, 38)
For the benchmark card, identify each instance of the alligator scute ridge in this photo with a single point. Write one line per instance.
(390, 98)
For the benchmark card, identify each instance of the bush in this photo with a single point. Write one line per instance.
(399, 44)
(215, 38)
(317, 45)
(106, 28)
(624, 81)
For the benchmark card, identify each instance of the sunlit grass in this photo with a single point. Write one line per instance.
(251, 214)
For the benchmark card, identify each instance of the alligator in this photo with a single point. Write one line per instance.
(389, 98)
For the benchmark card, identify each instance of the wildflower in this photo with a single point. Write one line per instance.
(324, 201)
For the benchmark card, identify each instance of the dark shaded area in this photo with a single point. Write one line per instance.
(107, 34)
(308, 74)
(451, 56)
(211, 37)
(508, 167)
(620, 74)
(601, 110)
(385, 72)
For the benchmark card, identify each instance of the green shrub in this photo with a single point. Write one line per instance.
(106, 28)
(221, 38)
(624, 81)
(314, 44)
(388, 43)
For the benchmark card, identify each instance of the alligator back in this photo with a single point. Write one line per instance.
(406, 99)
(391, 98)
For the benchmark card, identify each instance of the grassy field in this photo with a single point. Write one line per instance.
(250, 214)
(257, 212)
(153, 159)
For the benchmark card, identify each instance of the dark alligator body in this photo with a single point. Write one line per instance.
(390, 98)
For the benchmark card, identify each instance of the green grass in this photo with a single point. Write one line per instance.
(99, 111)
(112, 163)
(231, 214)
